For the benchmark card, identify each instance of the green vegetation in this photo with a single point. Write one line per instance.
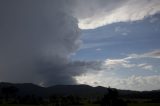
(131, 104)
(144, 104)
(45, 105)
(15, 105)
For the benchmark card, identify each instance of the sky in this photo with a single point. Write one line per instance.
(94, 42)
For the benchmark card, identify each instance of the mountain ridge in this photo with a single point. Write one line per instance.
(78, 90)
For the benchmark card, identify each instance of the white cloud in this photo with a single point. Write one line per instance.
(132, 82)
(114, 64)
(98, 49)
(96, 13)
(145, 66)
(153, 54)
(107, 75)
(111, 64)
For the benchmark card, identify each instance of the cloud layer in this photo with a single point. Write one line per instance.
(96, 13)
(133, 82)
(153, 54)
(37, 38)
(131, 72)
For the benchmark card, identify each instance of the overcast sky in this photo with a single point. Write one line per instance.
(96, 42)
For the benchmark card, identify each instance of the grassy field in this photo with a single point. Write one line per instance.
(16, 105)
(43, 105)
(132, 104)
(144, 104)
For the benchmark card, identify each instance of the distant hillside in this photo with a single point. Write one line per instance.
(78, 90)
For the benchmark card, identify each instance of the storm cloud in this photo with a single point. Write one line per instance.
(37, 38)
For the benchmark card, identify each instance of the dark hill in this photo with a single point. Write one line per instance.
(78, 90)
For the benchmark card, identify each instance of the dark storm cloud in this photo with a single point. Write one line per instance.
(65, 73)
(37, 38)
